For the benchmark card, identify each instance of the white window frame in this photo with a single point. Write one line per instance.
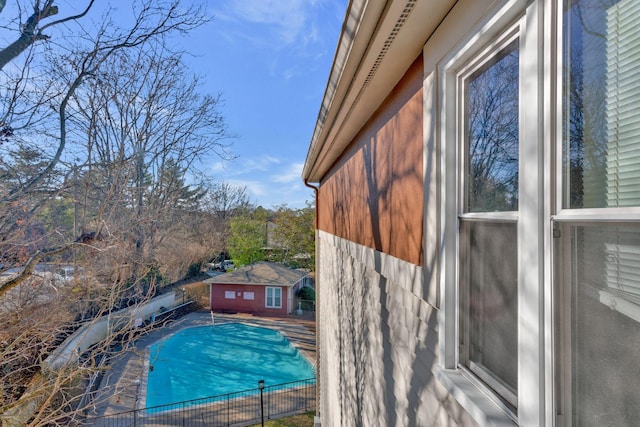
(562, 219)
(229, 294)
(535, 23)
(500, 217)
(248, 295)
(273, 296)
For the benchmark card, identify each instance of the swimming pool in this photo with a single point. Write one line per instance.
(213, 360)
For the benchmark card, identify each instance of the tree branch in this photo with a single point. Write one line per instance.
(31, 264)
(14, 195)
(70, 18)
(28, 35)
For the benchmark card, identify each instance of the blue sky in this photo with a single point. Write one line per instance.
(270, 60)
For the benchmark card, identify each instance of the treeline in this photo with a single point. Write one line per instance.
(282, 235)
(105, 140)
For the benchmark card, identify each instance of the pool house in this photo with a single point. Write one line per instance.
(264, 289)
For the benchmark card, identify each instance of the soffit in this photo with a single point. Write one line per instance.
(378, 43)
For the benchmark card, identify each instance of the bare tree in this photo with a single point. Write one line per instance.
(146, 140)
(82, 64)
(223, 201)
(492, 123)
(42, 312)
(32, 30)
(66, 188)
(153, 21)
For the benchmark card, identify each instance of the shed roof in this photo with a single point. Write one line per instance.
(262, 273)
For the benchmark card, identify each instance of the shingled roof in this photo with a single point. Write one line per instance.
(262, 273)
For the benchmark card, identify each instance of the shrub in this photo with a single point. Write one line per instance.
(194, 270)
(307, 293)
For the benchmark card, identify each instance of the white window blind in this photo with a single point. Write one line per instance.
(622, 271)
(623, 104)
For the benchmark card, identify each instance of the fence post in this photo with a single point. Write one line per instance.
(268, 396)
(261, 387)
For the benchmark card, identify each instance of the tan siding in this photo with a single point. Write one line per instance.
(374, 195)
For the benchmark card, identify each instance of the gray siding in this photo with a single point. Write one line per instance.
(378, 342)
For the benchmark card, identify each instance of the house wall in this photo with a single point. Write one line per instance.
(256, 306)
(394, 351)
(379, 325)
(378, 342)
(374, 195)
(378, 254)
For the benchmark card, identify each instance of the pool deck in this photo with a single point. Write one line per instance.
(121, 386)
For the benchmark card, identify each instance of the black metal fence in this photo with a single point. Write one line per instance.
(234, 409)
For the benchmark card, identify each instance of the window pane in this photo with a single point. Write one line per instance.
(491, 115)
(605, 331)
(278, 297)
(490, 310)
(269, 297)
(601, 93)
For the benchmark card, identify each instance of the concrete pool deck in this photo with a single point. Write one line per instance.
(121, 386)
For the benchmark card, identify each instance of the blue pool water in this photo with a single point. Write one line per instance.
(212, 360)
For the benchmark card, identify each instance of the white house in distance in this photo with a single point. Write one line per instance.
(478, 174)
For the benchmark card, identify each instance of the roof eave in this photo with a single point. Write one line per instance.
(253, 284)
(378, 43)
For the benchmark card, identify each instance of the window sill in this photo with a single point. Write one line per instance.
(485, 409)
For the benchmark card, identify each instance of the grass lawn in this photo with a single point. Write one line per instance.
(303, 420)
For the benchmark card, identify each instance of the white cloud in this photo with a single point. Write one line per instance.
(261, 164)
(289, 21)
(291, 175)
(219, 166)
(256, 188)
(269, 190)
(245, 166)
(286, 18)
(279, 32)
